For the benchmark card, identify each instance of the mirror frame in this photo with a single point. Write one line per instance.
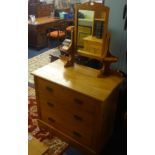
(96, 7)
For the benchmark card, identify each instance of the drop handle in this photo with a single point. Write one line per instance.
(78, 118)
(50, 104)
(49, 89)
(51, 119)
(78, 101)
(77, 134)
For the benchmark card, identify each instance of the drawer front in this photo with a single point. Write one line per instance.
(96, 49)
(71, 124)
(74, 133)
(71, 99)
(81, 121)
(92, 48)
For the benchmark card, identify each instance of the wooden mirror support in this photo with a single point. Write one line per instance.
(94, 46)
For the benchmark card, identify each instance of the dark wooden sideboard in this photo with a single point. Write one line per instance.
(37, 31)
(39, 9)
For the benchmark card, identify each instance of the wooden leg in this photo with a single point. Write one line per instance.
(70, 63)
(105, 71)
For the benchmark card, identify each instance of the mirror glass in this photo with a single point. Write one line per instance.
(90, 32)
(85, 26)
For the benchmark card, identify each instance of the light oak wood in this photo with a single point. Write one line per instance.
(74, 99)
(76, 105)
(101, 12)
(85, 149)
(92, 49)
(79, 78)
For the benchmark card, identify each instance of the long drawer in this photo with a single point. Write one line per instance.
(82, 121)
(71, 99)
(75, 125)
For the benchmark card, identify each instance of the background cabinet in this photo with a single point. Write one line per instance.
(39, 9)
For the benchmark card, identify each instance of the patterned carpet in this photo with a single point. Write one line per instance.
(39, 61)
(56, 146)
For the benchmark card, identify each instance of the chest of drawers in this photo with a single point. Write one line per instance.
(75, 105)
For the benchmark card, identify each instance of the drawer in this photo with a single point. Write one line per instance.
(70, 124)
(70, 99)
(96, 49)
(92, 44)
(75, 134)
(73, 120)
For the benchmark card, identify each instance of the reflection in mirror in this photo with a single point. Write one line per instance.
(99, 24)
(85, 26)
(90, 32)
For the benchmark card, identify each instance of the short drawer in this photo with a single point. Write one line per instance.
(69, 98)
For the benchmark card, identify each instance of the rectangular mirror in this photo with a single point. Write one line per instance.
(85, 26)
(90, 32)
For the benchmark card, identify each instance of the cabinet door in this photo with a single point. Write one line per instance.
(118, 45)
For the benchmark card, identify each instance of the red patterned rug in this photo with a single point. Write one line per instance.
(56, 146)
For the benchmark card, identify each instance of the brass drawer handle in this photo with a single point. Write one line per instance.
(77, 134)
(51, 119)
(78, 101)
(78, 118)
(49, 89)
(50, 104)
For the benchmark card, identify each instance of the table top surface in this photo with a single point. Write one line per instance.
(79, 78)
(44, 20)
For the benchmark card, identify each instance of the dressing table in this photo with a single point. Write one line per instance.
(74, 103)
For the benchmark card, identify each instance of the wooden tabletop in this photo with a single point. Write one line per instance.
(44, 20)
(79, 78)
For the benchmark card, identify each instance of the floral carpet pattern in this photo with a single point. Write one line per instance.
(56, 146)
